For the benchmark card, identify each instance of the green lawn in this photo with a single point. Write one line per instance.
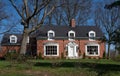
(81, 67)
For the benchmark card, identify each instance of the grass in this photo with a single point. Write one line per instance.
(80, 67)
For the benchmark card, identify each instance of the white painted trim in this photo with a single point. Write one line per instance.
(69, 35)
(50, 31)
(51, 44)
(74, 45)
(94, 35)
(15, 38)
(92, 45)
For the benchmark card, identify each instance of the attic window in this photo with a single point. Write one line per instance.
(51, 35)
(13, 39)
(92, 35)
(71, 35)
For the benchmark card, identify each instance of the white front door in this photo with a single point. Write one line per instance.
(72, 51)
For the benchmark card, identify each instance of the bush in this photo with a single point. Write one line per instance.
(11, 55)
(40, 56)
(84, 56)
(117, 58)
(62, 56)
(104, 55)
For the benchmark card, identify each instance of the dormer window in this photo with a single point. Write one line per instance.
(71, 35)
(13, 39)
(51, 35)
(92, 35)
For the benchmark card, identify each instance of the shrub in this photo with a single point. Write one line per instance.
(11, 55)
(117, 58)
(62, 56)
(40, 56)
(104, 55)
(84, 56)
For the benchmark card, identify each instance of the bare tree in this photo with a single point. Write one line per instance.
(28, 11)
(6, 25)
(114, 4)
(108, 21)
(3, 15)
(77, 9)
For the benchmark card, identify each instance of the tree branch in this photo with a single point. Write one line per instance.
(11, 1)
(7, 30)
(36, 11)
(26, 8)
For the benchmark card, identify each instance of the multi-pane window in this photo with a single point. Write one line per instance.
(71, 35)
(91, 35)
(51, 50)
(13, 39)
(51, 35)
(92, 50)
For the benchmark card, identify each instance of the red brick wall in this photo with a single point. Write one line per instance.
(84, 42)
(7, 48)
(63, 43)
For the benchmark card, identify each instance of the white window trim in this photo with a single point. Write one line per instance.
(69, 35)
(12, 39)
(51, 44)
(94, 36)
(92, 45)
(50, 31)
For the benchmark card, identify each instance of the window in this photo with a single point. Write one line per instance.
(51, 49)
(71, 35)
(92, 50)
(51, 35)
(91, 35)
(13, 39)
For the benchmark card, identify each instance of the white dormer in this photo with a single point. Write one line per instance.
(92, 35)
(71, 35)
(13, 39)
(51, 35)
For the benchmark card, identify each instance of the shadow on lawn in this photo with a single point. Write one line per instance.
(99, 68)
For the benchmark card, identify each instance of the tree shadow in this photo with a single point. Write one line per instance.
(99, 68)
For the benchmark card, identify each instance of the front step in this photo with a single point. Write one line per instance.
(73, 57)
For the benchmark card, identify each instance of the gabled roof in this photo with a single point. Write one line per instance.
(62, 31)
(6, 39)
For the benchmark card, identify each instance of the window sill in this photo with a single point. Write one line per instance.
(92, 55)
(51, 55)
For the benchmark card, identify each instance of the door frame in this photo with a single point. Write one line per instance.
(75, 50)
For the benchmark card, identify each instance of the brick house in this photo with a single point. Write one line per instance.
(12, 43)
(66, 41)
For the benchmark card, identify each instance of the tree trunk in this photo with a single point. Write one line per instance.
(24, 42)
(108, 54)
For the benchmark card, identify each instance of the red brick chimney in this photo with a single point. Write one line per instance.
(72, 23)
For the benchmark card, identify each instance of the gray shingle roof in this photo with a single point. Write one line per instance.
(6, 39)
(62, 31)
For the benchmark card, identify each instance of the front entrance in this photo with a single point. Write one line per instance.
(72, 50)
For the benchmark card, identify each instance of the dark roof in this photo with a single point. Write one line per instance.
(62, 31)
(6, 39)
